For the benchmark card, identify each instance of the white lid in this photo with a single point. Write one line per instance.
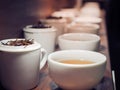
(7, 48)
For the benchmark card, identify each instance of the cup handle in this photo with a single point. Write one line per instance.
(43, 58)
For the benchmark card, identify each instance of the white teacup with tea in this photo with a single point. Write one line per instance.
(76, 69)
(20, 63)
(58, 22)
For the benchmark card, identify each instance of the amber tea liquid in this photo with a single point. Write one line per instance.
(76, 61)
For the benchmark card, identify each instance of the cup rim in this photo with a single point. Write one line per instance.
(7, 48)
(88, 19)
(29, 28)
(60, 21)
(63, 14)
(83, 25)
(61, 37)
(104, 60)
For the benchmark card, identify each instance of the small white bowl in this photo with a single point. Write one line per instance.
(69, 16)
(83, 28)
(82, 41)
(92, 4)
(76, 77)
(90, 12)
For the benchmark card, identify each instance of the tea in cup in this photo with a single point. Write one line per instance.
(76, 69)
(20, 63)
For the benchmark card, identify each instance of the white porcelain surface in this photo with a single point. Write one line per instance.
(93, 12)
(88, 19)
(76, 77)
(45, 36)
(91, 9)
(81, 41)
(70, 10)
(69, 16)
(82, 28)
(7, 48)
(92, 4)
(20, 65)
(59, 24)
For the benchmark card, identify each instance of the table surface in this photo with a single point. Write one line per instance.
(106, 83)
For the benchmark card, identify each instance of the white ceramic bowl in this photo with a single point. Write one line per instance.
(82, 28)
(70, 10)
(82, 41)
(45, 36)
(76, 77)
(93, 12)
(88, 19)
(92, 5)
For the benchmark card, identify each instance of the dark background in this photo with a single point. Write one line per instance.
(16, 14)
(113, 29)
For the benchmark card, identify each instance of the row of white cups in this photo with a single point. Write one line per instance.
(77, 29)
(20, 65)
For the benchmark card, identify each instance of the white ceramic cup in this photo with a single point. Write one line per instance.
(88, 19)
(45, 36)
(88, 11)
(74, 11)
(20, 65)
(76, 76)
(59, 24)
(82, 28)
(68, 15)
(82, 41)
(91, 9)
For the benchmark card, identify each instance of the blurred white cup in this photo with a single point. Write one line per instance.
(76, 76)
(82, 28)
(81, 41)
(58, 22)
(45, 36)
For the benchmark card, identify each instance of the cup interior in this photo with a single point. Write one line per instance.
(95, 57)
(80, 37)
